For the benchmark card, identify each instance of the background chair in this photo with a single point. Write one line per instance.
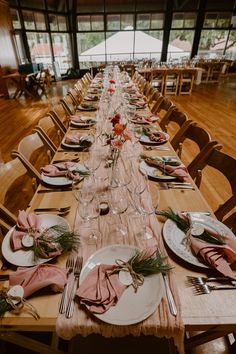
(163, 107)
(223, 200)
(171, 82)
(17, 189)
(174, 121)
(158, 77)
(186, 81)
(192, 143)
(33, 154)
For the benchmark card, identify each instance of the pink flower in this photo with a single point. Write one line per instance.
(127, 135)
(117, 144)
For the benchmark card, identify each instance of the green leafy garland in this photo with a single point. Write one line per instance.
(184, 225)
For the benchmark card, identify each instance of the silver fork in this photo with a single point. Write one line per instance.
(201, 289)
(71, 302)
(202, 280)
(64, 298)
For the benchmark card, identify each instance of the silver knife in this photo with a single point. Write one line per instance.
(178, 186)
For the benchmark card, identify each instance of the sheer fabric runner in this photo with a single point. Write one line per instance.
(161, 323)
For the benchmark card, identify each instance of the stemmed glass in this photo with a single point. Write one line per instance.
(145, 207)
(118, 205)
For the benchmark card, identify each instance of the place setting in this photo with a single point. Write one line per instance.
(79, 121)
(84, 106)
(165, 169)
(200, 240)
(77, 141)
(152, 136)
(61, 174)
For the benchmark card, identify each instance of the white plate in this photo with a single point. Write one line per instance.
(89, 109)
(132, 307)
(61, 181)
(145, 139)
(86, 122)
(152, 172)
(173, 237)
(25, 258)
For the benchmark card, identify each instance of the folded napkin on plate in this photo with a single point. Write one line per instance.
(25, 223)
(73, 139)
(101, 289)
(151, 119)
(218, 256)
(157, 136)
(79, 119)
(64, 169)
(179, 172)
(41, 276)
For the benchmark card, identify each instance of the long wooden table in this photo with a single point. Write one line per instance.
(214, 314)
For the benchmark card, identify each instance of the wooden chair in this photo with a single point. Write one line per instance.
(171, 82)
(58, 120)
(197, 142)
(218, 161)
(163, 107)
(50, 133)
(155, 100)
(68, 106)
(75, 97)
(158, 77)
(33, 154)
(186, 81)
(173, 122)
(16, 189)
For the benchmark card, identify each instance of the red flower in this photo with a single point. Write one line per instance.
(117, 144)
(112, 82)
(127, 135)
(116, 119)
(111, 90)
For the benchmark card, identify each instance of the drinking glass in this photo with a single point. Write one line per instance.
(118, 203)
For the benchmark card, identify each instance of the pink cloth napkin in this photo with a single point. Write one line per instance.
(218, 256)
(73, 139)
(77, 119)
(41, 276)
(157, 136)
(25, 222)
(179, 172)
(100, 289)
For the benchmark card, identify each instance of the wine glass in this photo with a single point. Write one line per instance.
(146, 207)
(118, 205)
(89, 213)
(86, 192)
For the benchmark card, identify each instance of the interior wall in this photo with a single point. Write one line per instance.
(8, 57)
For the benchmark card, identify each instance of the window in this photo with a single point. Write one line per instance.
(91, 48)
(62, 51)
(212, 42)
(148, 44)
(40, 49)
(180, 43)
(217, 20)
(15, 19)
(57, 23)
(120, 22)
(34, 20)
(231, 45)
(90, 23)
(183, 20)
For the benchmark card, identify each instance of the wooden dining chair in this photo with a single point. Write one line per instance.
(186, 81)
(173, 122)
(58, 119)
(217, 161)
(192, 143)
(50, 132)
(171, 82)
(68, 106)
(75, 97)
(17, 189)
(158, 77)
(33, 153)
(163, 107)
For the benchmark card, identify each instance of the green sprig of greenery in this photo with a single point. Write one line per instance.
(146, 265)
(57, 237)
(4, 307)
(184, 225)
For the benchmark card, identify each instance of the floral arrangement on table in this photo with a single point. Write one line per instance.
(111, 89)
(117, 138)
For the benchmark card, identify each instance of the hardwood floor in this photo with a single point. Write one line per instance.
(212, 106)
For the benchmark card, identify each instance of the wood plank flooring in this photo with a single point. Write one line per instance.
(213, 106)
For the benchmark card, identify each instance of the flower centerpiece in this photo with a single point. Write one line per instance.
(116, 139)
(111, 88)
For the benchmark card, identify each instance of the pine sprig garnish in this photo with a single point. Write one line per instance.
(184, 225)
(148, 265)
(53, 240)
(4, 307)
